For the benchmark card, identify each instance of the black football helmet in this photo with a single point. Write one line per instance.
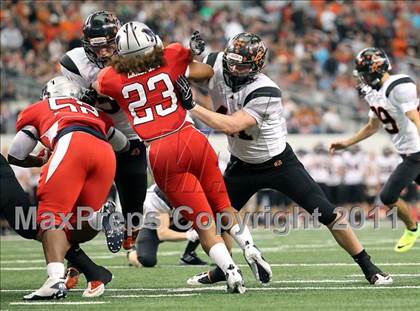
(99, 32)
(371, 65)
(243, 58)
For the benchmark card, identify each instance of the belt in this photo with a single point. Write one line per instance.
(79, 128)
(275, 161)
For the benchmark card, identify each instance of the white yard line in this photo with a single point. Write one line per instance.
(42, 303)
(190, 290)
(154, 296)
(327, 264)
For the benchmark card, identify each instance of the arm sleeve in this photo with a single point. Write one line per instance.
(405, 96)
(78, 79)
(264, 108)
(117, 139)
(24, 143)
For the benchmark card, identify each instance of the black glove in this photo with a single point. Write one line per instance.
(184, 87)
(89, 96)
(197, 44)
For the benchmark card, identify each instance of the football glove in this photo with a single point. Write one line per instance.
(89, 96)
(197, 44)
(184, 87)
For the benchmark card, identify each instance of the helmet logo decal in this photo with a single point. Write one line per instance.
(377, 62)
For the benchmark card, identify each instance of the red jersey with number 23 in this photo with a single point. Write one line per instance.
(150, 99)
(51, 115)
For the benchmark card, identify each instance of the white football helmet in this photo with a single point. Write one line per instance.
(135, 38)
(61, 86)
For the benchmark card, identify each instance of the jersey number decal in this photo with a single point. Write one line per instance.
(148, 112)
(386, 118)
(73, 104)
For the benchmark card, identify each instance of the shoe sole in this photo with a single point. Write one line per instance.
(261, 269)
(114, 236)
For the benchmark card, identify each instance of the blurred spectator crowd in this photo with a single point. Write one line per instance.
(312, 45)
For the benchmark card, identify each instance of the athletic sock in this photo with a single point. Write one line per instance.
(242, 236)
(363, 260)
(191, 246)
(82, 262)
(220, 255)
(55, 270)
(414, 230)
(217, 275)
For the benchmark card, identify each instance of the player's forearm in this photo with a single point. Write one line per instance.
(171, 235)
(29, 161)
(216, 120)
(365, 132)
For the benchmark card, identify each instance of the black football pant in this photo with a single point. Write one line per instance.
(131, 179)
(403, 175)
(284, 173)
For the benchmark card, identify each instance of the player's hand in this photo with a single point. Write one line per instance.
(184, 87)
(89, 96)
(197, 44)
(192, 235)
(338, 145)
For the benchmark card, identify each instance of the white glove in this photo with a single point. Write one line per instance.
(192, 235)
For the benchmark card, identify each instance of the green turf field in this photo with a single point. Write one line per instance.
(309, 272)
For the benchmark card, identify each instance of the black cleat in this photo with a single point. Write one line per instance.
(192, 259)
(114, 231)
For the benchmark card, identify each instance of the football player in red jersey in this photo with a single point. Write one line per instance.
(79, 172)
(141, 79)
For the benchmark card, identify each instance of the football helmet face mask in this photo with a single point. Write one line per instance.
(60, 86)
(136, 39)
(99, 33)
(243, 59)
(371, 65)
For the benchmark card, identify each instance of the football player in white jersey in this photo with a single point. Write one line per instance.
(249, 110)
(393, 102)
(158, 207)
(82, 66)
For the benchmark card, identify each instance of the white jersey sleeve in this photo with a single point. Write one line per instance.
(405, 96)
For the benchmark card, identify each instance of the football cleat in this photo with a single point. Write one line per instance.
(381, 279)
(407, 241)
(234, 280)
(114, 232)
(201, 278)
(191, 258)
(260, 268)
(130, 240)
(72, 278)
(51, 289)
(94, 289)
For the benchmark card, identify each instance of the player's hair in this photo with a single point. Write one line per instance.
(139, 63)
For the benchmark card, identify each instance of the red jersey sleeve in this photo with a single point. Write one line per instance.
(25, 117)
(107, 120)
(105, 81)
(179, 54)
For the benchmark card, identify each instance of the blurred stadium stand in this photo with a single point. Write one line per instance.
(312, 45)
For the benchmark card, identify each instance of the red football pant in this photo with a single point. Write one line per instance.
(80, 172)
(185, 167)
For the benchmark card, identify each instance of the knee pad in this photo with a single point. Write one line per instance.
(147, 261)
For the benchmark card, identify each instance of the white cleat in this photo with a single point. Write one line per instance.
(94, 289)
(381, 279)
(51, 289)
(260, 268)
(234, 280)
